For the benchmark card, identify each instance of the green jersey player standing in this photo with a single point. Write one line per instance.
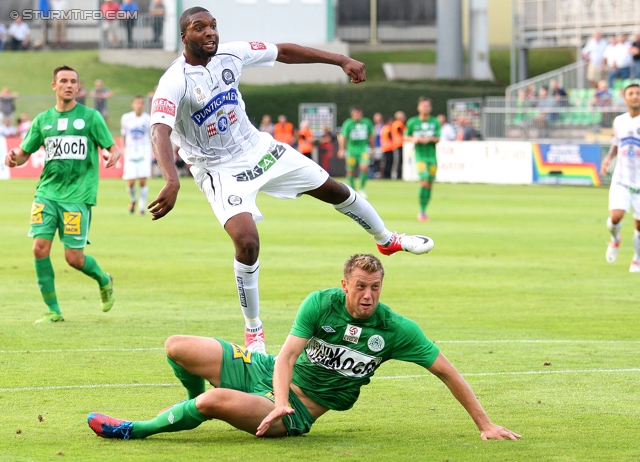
(356, 141)
(338, 340)
(424, 131)
(71, 135)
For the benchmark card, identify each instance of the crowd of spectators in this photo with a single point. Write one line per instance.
(615, 58)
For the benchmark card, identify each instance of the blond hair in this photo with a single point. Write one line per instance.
(364, 261)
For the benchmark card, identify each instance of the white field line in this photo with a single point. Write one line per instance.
(394, 377)
(276, 347)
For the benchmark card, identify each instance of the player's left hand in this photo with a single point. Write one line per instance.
(111, 157)
(165, 201)
(355, 70)
(277, 413)
(496, 432)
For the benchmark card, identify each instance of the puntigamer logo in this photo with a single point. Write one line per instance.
(66, 147)
(215, 103)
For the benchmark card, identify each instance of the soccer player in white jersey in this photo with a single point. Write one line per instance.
(199, 108)
(135, 127)
(625, 181)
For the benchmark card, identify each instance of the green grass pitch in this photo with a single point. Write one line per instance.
(516, 293)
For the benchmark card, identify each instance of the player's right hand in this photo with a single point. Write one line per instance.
(277, 413)
(165, 201)
(10, 159)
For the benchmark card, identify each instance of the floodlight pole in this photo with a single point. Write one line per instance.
(373, 19)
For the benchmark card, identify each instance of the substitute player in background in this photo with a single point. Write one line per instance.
(135, 127)
(339, 338)
(198, 106)
(424, 131)
(625, 181)
(71, 135)
(356, 142)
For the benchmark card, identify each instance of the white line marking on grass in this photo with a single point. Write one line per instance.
(389, 377)
(490, 374)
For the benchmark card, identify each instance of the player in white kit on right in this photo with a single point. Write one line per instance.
(625, 181)
(199, 108)
(135, 127)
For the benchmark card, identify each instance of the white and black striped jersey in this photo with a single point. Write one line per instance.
(204, 107)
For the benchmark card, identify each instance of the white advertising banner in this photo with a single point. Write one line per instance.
(498, 162)
(4, 170)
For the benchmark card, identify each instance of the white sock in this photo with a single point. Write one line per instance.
(636, 245)
(614, 229)
(247, 282)
(132, 193)
(363, 213)
(144, 193)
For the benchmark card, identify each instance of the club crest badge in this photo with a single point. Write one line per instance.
(228, 77)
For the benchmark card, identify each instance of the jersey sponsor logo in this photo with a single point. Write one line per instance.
(241, 353)
(164, 105)
(341, 359)
(265, 164)
(78, 124)
(358, 220)
(211, 130)
(36, 213)
(215, 103)
(375, 343)
(63, 124)
(234, 200)
(352, 334)
(65, 147)
(72, 222)
(200, 94)
(328, 329)
(233, 118)
(258, 45)
(228, 77)
(223, 124)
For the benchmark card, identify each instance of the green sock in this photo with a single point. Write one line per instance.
(93, 270)
(182, 416)
(363, 179)
(46, 283)
(425, 195)
(352, 181)
(194, 384)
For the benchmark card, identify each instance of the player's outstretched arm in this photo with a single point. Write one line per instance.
(112, 155)
(163, 150)
(16, 157)
(282, 375)
(290, 53)
(459, 387)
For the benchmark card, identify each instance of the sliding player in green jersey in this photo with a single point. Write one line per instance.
(338, 340)
(71, 135)
(424, 131)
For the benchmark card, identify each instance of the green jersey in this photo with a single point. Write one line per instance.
(420, 128)
(343, 352)
(357, 135)
(72, 161)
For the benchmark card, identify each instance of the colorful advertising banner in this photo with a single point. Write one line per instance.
(569, 164)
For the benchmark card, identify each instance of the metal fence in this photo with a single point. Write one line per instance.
(564, 120)
(145, 32)
(571, 76)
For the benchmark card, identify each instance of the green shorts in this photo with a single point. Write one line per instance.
(354, 160)
(251, 372)
(71, 220)
(427, 169)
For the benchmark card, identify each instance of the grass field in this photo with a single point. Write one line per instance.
(516, 293)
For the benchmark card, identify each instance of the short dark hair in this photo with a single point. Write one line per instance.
(355, 108)
(631, 85)
(64, 67)
(138, 97)
(366, 262)
(185, 17)
(423, 98)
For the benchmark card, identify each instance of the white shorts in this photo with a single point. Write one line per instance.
(136, 168)
(622, 197)
(274, 168)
